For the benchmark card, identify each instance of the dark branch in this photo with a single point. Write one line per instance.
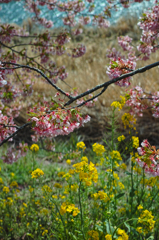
(40, 72)
(12, 135)
(106, 84)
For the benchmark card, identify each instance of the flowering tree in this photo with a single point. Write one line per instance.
(61, 116)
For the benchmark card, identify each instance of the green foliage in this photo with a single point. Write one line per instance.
(76, 193)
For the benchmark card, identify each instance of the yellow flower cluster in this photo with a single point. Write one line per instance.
(87, 172)
(13, 184)
(137, 169)
(68, 161)
(1, 181)
(74, 187)
(123, 235)
(81, 145)
(115, 175)
(94, 235)
(146, 221)
(69, 207)
(120, 104)
(34, 148)
(128, 120)
(57, 185)
(37, 173)
(140, 207)
(121, 138)
(46, 188)
(108, 237)
(6, 189)
(101, 195)
(60, 174)
(44, 232)
(135, 141)
(121, 185)
(98, 149)
(150, 182)
(123, 166)
(44, 211)
(116, 155)
(8, 201)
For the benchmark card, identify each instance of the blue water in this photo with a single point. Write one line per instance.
(14, 12)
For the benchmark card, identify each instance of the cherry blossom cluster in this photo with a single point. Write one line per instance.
(79, 51)
(56, 123)
(101, 22)
(149, 23)
(149, 158)
(6, 33)
(124, 42)
(135, 100)
(119, 66)
(6, 126)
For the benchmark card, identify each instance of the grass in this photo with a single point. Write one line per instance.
(77, 193)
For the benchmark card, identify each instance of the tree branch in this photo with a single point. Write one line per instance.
(40, 72)
(13, 134)
(106, 84)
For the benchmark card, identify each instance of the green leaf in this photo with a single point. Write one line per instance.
(128, 226)
(30, 235)
(120, 195)
(114, 65)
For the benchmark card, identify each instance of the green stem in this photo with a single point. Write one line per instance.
(61, 218)
(112, 140)
(81, 210)
(132, 187)
(153, 199)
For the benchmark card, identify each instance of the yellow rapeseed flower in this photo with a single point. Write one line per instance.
(146, 221)
(6, 189)
(128, 120)
(139, 229)
(121, 185)
(81, 145)
(84, 158)
(60, 174)
(115, 175)
(68, 161)
(1, 181)
(116, 104)
(44, 232)
(108, 237)
(46, 188)
(34, 148)
(121, 138)
(57, 185)
(98, 149)
(140, 207)
(24, 204)
(135, 141)
(123, 166)
(123, 234)
(12, 174)
(94, 235)
(37, 173)
(14, 184)
(116, 155)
